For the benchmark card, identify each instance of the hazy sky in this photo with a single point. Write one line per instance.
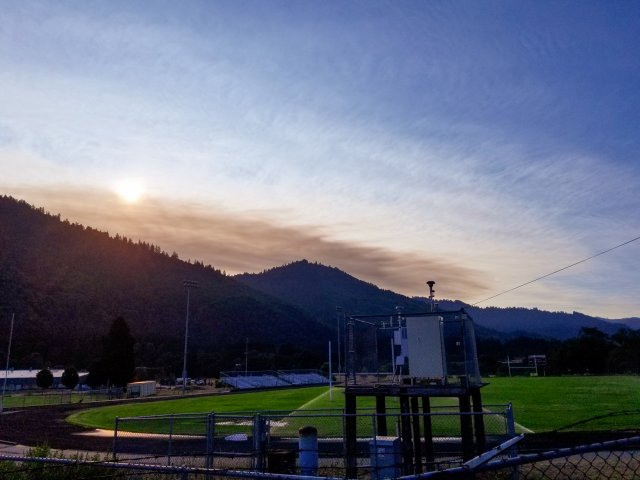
(478, 144)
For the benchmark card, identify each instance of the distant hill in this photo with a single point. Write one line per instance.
(319, 289)
(66, 283)
(535, 322)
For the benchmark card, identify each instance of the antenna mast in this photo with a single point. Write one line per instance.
(430, 284)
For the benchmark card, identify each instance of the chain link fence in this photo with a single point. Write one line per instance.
(269, 441)
(618, 459)
(34, 398)
(198, 440)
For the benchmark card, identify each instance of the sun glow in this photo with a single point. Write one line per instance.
(130, 190)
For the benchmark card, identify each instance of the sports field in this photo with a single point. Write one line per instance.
(540, 403)
(552, 403)
(276, 400)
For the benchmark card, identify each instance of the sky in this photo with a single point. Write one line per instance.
(477, 144)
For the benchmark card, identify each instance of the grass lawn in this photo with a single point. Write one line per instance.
(289, 409)
(277, 400)
(550, 403)
(540, 404)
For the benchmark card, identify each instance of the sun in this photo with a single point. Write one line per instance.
(130, 190)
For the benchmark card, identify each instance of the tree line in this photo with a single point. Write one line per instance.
(592, 351)
(114, 367)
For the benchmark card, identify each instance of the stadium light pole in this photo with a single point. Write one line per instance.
(246, 357)
(188, 284)
(6, 368)
(338, 315)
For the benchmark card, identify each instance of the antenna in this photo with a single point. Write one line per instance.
(430, 284)
(399, 314)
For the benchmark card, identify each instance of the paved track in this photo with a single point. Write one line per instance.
(47, 426)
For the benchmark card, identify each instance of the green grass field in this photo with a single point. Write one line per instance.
(277, 400)
(540, 403)
(550, 403)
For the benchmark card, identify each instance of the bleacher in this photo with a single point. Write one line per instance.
(306, 378)
(271, 379)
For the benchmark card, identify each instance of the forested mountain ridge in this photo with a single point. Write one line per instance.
(318, 289)
(535, 322)
(66, 283)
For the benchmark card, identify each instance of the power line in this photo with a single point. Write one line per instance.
(559, 270)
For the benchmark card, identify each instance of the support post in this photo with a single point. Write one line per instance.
(405, 433)
(259, 438)
(381, 411)
(417, 446)
(350, 434)
(466, 427)
(211, 421)
(511, 423)
(115, 438)
(428, 432)
(478, 421)
(170, 446)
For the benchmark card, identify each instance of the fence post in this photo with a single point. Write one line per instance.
(466, 427)
(408, 466)
(373, 452)
(211, 420)
(259, 439)
(115, 437)
(428, 432)
(350, 435)
(511, 424)
(478, 420)
(511, 431)
(375, 423)
(170, 439)
(417, 444)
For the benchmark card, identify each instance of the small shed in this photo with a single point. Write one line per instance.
(141, 389)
